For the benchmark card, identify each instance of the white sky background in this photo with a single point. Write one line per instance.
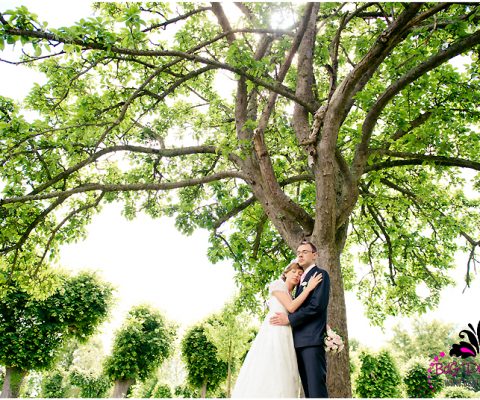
(149, 261)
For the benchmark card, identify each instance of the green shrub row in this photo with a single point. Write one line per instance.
(379, 377)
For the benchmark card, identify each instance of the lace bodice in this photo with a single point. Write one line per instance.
(279, 285)
(274, 304)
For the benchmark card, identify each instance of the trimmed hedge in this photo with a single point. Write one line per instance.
(458, 392)
(378, 377)
(417, 383)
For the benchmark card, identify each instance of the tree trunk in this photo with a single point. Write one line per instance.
(338, 371)
(229, 381)
(121, 387)
(13, 382)
(204, 390)
(229, 370)
(338, 365)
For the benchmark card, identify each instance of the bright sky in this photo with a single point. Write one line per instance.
(150, 261)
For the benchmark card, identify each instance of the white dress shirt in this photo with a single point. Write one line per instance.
(306, 272)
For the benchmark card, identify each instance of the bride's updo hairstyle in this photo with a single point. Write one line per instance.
(293, 265)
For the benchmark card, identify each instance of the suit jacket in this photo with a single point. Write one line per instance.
(309, 321)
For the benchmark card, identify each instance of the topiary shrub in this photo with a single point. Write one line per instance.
(53, 385)
(378, 377)
(162, 391)
(90, 385)
(457, 392)
(205, 371)
(417, 381)
(186, 391)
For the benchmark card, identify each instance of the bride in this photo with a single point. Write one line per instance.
(270, 368)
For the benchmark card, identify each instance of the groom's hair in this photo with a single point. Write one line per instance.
(312, 246)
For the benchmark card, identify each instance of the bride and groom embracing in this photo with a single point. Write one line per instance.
(290, 342)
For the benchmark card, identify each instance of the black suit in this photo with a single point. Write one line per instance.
(309, 324)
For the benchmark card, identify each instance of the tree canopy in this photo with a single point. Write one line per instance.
(205, 370)
(140, 346)
(379, 376)
(426, 339)
(349, 124)
(32, 331)
(231, 334)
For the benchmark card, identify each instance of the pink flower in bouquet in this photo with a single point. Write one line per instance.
(333, 341)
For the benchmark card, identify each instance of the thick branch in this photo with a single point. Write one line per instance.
(176, 19)
(336, 43)
(285, 67)
(135, 149)
(40, 218)
(411, 159)
(234, 211)
(272, 86)
(246, 11)
(333, 51)
(397, 31)
(246, 106)
(223, 21)
(364, 69)
(133, 187)
(349, 191)
(305, 79)
(272, 187)
(238, 209)
(434, 61)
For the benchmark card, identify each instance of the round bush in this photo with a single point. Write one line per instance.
(162, 391)
(378, 377)
(457, 392)
(91, 386)
(417, 383)
(53, 385)
(185, 391)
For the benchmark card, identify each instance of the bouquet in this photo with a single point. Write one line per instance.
(333, 341)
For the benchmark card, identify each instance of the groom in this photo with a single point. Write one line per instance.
(309, 325)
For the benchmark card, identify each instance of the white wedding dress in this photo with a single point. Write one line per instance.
(270, 368)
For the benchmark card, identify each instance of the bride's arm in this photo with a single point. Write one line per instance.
(292, 305)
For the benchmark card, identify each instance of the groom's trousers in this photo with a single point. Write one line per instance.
(312, 366)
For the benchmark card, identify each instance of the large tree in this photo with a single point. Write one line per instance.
(205, 369)
(426, 339)
(345, 115)
(230, 332)
(32, 331)
(140, 346)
